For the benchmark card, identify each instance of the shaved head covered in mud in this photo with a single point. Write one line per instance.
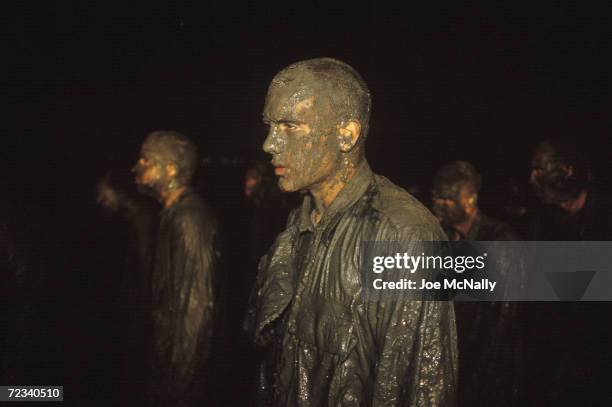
(318, 112)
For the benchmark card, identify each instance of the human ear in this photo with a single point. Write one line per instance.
(472, 200)
(349, 135)
(468, 199)
(171, 170)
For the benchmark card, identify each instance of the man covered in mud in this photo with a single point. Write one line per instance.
(326, 344)
(455, 203)
(570, 339)
(561, 177)
(183, 280)
(490, 334)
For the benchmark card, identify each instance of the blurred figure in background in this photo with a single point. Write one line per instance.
(268, 209)
(561, 178)
(260, 188)
(117, 195)
(490, 334)
(569, 342)
(455, 204)
(184, 271)
(265, 210)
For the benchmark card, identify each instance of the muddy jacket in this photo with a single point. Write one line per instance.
(183, 292)
(328, 346)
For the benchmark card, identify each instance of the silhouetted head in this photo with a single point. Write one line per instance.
(256, 177)
(167, 161)
(455, 192)
(559, 171)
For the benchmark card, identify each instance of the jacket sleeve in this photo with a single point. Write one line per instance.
(414, 340)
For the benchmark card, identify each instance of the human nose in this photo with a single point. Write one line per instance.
(139, 164)
(272, 144)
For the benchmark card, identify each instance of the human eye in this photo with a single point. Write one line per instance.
(289, 127)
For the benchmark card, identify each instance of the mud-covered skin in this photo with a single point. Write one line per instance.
(327, 346)
(449, 203)
(317, 116)
(166, 163)
(547, 179)
(559, 172)
(455, 197)
(150, 172)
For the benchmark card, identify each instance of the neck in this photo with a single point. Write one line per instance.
(462, 229)
(575, 205)
(325, 192)
(168, 198)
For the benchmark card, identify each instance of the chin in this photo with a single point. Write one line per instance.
(285, 185)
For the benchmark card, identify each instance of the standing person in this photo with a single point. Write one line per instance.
(455, 203)
(137, 213)
(327, 345)
(570, 339)
(183, 280)
(572, 210)
(490, 334)
(268, 209)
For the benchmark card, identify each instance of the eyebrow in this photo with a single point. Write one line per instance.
(268, 120)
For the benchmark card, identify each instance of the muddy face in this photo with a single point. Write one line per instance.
(549, 180)
(449, 204)
(303, 137)
(149, 173)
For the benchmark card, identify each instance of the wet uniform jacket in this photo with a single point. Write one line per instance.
(328, 347)
(183, 299)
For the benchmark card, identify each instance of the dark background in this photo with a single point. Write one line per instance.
(87, 82)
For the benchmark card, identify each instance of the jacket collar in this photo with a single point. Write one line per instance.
(352, 191)
(186, 193)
